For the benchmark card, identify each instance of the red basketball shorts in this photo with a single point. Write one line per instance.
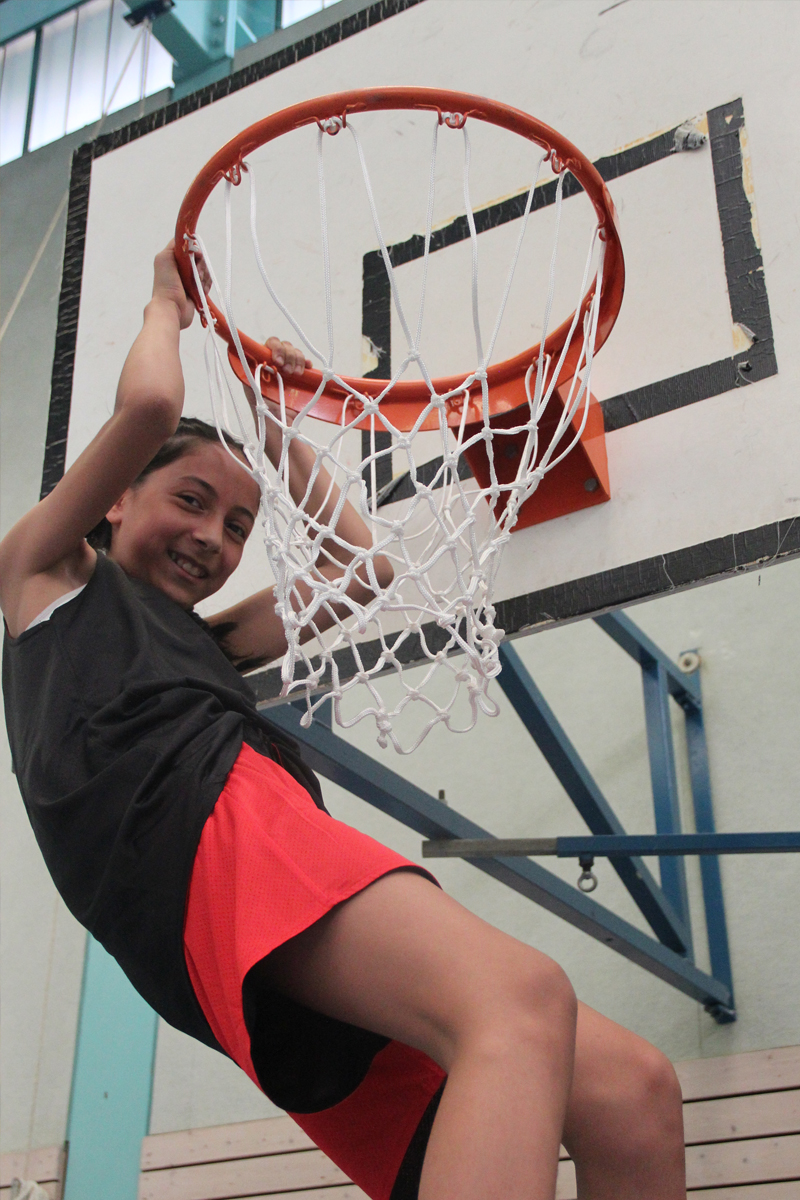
(270, 864)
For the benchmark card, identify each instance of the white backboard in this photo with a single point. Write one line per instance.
(699, 380)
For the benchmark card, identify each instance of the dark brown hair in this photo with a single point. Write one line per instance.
(190, 431)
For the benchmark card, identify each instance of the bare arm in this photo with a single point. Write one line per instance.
(45, 554)
(255, 633)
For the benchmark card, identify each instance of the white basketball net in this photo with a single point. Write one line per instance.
(446, 543)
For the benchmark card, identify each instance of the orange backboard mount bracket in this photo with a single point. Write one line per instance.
(579, 481)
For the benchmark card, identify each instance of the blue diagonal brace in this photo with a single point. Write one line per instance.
(545, 729)
(363, 776)
(716, 925)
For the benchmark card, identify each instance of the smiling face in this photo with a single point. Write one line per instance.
(184, 526)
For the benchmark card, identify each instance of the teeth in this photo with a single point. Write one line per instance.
(186, 565)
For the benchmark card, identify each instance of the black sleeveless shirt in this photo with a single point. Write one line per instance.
(124, 718)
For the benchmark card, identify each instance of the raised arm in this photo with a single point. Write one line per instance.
(254, 634)
(45, 554)
(350, 527)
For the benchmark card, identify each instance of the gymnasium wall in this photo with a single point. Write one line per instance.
(744, 627)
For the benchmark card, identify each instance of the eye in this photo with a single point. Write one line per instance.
(238, 530)
(191, 499)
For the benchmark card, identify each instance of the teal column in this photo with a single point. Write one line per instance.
(112, 1082)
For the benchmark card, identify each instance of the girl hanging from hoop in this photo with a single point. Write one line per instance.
(424, 1051)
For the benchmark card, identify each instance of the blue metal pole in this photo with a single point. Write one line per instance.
(615, 846)
(668, 924)
(664, 781)
(716, 924)
(112, 1078)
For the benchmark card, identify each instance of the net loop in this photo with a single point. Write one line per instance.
(453, 120)
(556, 163)
(234, 173)
(333, 125)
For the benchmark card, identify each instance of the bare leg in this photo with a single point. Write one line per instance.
(624, 1126)
(405, 960)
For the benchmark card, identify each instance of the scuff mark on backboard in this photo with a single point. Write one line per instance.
(747, 182)
(743, 337)
(370, 355)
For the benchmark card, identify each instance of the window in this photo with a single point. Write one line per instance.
(89, 61)
(296, 10)
(15, 86)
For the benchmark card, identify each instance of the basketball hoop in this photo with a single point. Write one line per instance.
(506, 380)
(539, 401)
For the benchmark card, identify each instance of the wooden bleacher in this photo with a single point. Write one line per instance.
(742, 1120)
(741, 1113)
(45, 1165)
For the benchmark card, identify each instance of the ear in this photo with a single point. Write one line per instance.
(115, 513)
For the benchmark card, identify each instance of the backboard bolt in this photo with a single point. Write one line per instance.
(689, 661)
(590, 485)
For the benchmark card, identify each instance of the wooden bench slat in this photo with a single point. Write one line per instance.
(43, 1165)
(738, 1074)
(742, 1121)
(348, 1192)
(759, 1191)
(51, 1188)
(757, 1160)
(215, 1143)
(242, 1177)
(566, 1188)
(764, 1115)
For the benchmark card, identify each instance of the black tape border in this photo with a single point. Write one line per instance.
(744, 273)
(80, 184)
(720, 558)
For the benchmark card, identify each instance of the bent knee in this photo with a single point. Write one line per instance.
(533, 1000)
(653, 1111)
(549, 988)
(641, 1107)
(659, 1088)
(647, 1083)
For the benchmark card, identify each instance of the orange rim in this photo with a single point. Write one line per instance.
(409, 397)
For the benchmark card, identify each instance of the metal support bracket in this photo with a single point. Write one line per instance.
(662, 678)
(666, 920)
(371, 781)
(665, 906)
